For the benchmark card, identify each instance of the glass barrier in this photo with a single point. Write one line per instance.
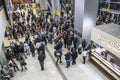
(107, 57)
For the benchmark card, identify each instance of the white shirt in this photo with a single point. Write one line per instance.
(84, 53)
(38, 45)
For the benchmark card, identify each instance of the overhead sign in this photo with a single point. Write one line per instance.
(35, 8)
(69, 5)
(56, 12)
(105, 9)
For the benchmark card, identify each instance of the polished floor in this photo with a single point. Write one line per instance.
(52, 72)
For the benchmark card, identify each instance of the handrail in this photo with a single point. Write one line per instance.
(107, 64)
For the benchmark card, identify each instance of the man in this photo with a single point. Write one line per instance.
(58, 55)
(58, 51)
(21, 49)
(41, 58)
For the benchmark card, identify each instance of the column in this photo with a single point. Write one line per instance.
(85, 17)
(2, 55)
(43, 5)
(56, 9)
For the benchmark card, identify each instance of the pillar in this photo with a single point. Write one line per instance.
(56, 9)
(43, 5)
(85, 17)
(2, 55)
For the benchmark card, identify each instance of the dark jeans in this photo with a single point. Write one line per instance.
(58, 58)
(84, 59)
(67, 63)
(74, 61)
(50, 40)
(42, 64)
(15, 68)
(24, 67)
(33, 54)
(65, 44)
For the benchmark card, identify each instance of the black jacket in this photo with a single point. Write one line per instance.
(68, 56)
(74, 55)
(41, 48)
(41, 56)
(58, 45)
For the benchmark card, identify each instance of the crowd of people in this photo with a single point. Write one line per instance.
(38, 31)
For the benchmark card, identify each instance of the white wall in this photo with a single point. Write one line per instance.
(3, 24)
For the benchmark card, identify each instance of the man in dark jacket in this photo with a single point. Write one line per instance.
(41, 58)
(21, 48)
(59, 45)
(58, 51)
(58, 55)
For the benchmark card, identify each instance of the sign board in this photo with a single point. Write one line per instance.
(69, 5)
(105, 9)
(35, 8)
(56, 12)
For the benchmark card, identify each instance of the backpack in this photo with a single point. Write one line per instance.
(41, 56)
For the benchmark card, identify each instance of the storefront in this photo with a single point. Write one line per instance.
(106, 41)
(21, 1)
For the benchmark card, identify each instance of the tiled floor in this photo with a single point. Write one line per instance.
(79, 71)
(75, 72)
(34, 71)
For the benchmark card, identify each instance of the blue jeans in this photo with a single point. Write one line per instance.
(68, 63)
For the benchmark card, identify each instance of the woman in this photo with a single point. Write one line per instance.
(74, 56)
